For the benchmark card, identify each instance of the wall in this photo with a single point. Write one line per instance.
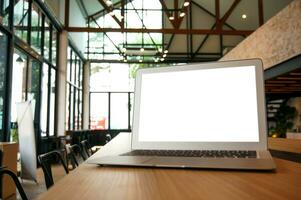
(276, 41)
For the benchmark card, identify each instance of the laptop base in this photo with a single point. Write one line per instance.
(264, 162)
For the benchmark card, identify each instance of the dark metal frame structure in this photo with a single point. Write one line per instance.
(190, 31)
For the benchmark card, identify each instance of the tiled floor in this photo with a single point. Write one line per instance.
(34, 189)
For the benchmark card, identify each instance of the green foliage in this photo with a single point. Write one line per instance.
(284, 119)
(136, 66)
(14, 133)
(98, 68)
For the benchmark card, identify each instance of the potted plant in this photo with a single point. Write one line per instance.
(284, 120)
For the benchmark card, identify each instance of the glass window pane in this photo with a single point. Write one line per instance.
(80, 74)
(36, 28)
(67, 107)
(99, 111)
(52, 102)
(18, 82)
(3, 55)
(54, 46)
(76, 71)
(46, 40)
(80, 109)
(71, 117)
(4, 12)
(33, 90)
(44, 100)
(21, 19)
(119, 111)
(131, 110)
(73, 68)
(75, 108)
(69, 65)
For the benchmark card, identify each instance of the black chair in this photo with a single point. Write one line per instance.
(72, 151)
(86, 148)
(1, 155)
(77, 149)
(46, 160)
(15, 179)
(108, 138)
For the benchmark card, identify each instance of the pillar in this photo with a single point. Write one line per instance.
(61, 84)
(86, 95)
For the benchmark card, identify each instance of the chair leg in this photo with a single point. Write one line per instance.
(17, 182)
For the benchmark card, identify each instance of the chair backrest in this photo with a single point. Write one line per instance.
(71, 151)
(75, 148)
(46, 161)
(70, 155)
(16, 181)
(108, 138)
(86, 148)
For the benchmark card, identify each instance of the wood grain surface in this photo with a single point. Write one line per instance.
(95, 182)
(284, 144)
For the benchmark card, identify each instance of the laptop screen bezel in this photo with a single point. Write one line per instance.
(261, 145)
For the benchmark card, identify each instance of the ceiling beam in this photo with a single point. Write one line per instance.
(219, 23)
(203, 42)
(211, 14)
(229, 12)
(67, 9)
(167, 13)
(108, 9)
(217, 15)
(260, 12)
(179, 19)
(164, 30)
(122, 13)
(102, 12)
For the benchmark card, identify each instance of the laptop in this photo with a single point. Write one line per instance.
(206, 115)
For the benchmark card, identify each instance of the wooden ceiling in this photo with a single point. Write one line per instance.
(288, 83)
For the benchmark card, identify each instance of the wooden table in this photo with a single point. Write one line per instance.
(94, 182)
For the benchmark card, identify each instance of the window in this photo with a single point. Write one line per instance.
(3, 62)
(52, 102)
(111, 87)
(74, 91)
(44, 100)
(99, 115)
(36, 28)
(33, 90)
(25, 87)
(46, 39)
(54, 43)
(4, 12)
(33, 67)
(21, 19)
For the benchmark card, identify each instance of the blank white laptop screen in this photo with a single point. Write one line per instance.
(206, 105)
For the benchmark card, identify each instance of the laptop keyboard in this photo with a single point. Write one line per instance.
(194, 153)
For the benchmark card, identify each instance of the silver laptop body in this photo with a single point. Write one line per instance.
(207, 115)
